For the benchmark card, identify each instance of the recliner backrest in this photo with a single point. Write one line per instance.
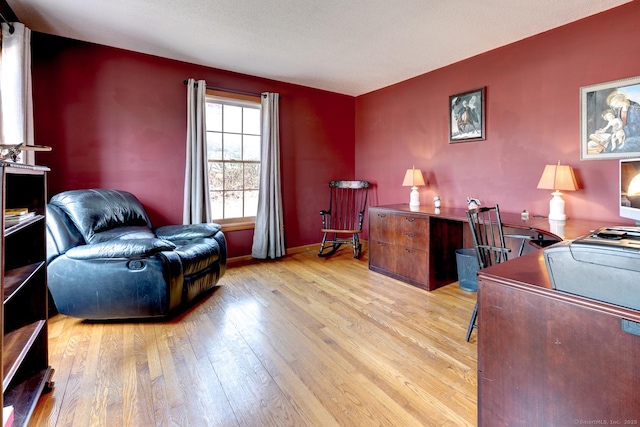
(97, 210)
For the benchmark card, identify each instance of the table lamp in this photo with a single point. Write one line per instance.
(557, 177)
(413, 178)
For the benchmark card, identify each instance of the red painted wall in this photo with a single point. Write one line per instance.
(117, 119)
(532, 119)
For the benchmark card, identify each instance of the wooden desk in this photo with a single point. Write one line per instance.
(548, 358)
(418, 246)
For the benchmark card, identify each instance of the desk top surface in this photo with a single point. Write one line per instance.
(529, 273)
(563, 230)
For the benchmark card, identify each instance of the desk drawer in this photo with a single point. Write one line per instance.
(407, 264)
(412, 232)
(382, 255)
(412, 263)
(382, 226)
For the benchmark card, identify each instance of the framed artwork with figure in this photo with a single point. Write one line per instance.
(610, 120)
(466, 116)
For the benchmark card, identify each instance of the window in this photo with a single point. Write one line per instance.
(233, 152)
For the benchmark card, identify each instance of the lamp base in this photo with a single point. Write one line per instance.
(557, 227)
(556, 207)
(414, 200)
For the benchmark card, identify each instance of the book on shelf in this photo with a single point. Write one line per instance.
(15, 211)
(13, 219)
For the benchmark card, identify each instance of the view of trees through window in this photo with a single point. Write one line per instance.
(233, 151)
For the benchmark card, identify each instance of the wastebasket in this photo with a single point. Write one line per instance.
(467, 264)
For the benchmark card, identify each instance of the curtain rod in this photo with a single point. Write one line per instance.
(11, 29)
(239, 92)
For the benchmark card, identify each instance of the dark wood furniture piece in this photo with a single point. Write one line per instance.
(418, 246)
(413, 246)
(548, 358)
(25, 369)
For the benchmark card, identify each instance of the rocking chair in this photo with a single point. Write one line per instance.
(347, 202)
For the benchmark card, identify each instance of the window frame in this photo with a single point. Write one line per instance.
(241, 100)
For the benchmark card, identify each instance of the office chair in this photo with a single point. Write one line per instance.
(347, 203)
(489, 244)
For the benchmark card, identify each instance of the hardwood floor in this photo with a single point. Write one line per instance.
(303, 341)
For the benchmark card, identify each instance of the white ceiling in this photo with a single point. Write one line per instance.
(345, 46)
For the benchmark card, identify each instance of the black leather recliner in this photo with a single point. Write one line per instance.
(105, 261)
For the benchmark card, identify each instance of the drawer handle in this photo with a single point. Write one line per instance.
(411, 235)
(410, 219)
(381, 244)
(382, 215)
(409, 251)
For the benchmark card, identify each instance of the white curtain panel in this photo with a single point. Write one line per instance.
(15, 88)
(268, 236)
(197, 208)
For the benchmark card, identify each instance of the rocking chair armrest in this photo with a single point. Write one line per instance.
(324, 214)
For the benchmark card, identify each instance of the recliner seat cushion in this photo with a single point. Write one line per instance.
(123, 233)
(126, 248)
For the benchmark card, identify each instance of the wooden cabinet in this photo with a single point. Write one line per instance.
(398, 245)
(25, 369)
(415, 247)
(548, 358)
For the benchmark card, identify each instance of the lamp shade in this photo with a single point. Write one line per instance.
(558, 178)
(413, 178)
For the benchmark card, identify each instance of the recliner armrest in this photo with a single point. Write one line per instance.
(61, 233)
(174, 233)
(133, 248)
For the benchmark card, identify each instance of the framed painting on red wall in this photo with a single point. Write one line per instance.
(466, 116)
(610, 120)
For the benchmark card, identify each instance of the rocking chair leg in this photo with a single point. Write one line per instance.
(357, 247)
(324, 239)
(334, 246)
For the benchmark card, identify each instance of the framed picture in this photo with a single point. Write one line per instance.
(466, 116)
(610, 120)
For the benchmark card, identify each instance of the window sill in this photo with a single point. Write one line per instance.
(237, 224)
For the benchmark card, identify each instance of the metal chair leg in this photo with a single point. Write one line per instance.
(472, 322)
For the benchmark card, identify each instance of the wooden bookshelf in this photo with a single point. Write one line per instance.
(23, 314)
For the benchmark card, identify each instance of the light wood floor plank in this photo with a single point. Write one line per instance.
(302, 341)
(339, 383)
